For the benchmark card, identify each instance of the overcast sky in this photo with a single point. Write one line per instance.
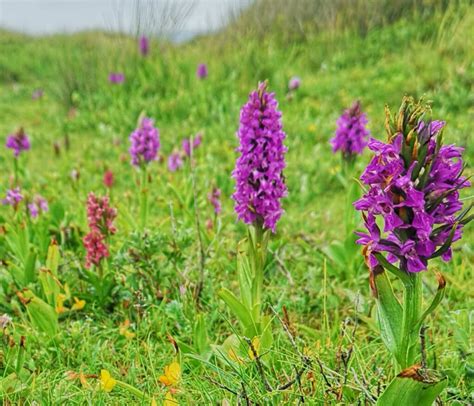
(53, 16)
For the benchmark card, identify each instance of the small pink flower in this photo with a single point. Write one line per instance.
(96, 249)
(214, 198)
(116, 78)
(197, 140)
(175, 162)
(109, 179)
(201, 71)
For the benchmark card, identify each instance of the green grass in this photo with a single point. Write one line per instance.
(330, 309)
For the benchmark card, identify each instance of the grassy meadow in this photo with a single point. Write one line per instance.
(161, 302)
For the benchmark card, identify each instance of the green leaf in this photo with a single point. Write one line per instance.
(57, 213)
(244, 273)
(51, 286)
(11, 384)
(52, 261)
(412, 388)
(41, 314)
(266, 338)
(389, 313)
(336, 252)
(201, 340)
(30, 268)
(436, 301)
(240, 311)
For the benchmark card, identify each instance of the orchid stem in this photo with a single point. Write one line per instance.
(412, 297)
(143, 198)
(15, 170)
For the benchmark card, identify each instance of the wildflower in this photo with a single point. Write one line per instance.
(197, 140)
(38, 206)
(144, 45)
(175, 161)
(124, 330)
(18, 142)
(100, 215)
(5, 320)
(294, 83)
(351, 134)
(33, 209)
(172, 374)
(145, 143)
(108, 179)
(60, 308)
(75, 175)
(78, 304)
(107, 383)
(116, 77)
(258, 172)
(414, 185)
(214, 199)
(96, 249)
(201, 71)
(37, 94)
(13, 197)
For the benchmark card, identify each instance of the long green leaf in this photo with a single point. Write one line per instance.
(240, 311)
(389, 313)
(41, 314)
(410, 388)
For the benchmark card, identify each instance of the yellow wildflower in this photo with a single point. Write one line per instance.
(78, 304)
(107, 383)
(124, 331)
(172, 374)
(60, 308)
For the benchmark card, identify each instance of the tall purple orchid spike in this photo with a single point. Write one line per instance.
(144, 45)
(18, 142)
(351, 133)
(144, 143)
(258, 173)
(413, 188)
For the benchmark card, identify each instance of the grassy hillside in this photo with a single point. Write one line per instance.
(328, 304)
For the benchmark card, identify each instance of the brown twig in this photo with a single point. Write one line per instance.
(423, 347)
(222, 386)
(304, 359)
(298, 380)
(321, 369)
(244, 395)
(362, 385)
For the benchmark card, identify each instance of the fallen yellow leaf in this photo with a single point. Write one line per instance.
(256, 346)
(234, 357)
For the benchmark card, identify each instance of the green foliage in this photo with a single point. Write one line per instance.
(412, 389)
(374, 53)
